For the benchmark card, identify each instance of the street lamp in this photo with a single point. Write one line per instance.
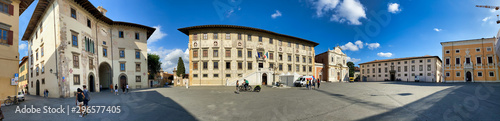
(54, 74)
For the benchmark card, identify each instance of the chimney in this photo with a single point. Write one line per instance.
(102, 10)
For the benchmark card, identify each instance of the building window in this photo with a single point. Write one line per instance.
(457, 51)
(297, 59)
(205, 36)
(73, 13)
(249, 37)
(428, 60)
(228, 75)
(91, 63)
(303, 68)
(310, 68)
(122, 53)
(490, 60)
(488, 49)
(297, 68)
(457, 61)
(205, 65)
(205, 53)
(195, 36)
(421, 67)
(122, 66)
(120, 34)
(137, 54)
(89, 24)
(280, 57)
(228, 36)
(240, 54)
(271, 65)
(249, 54)
(412, 61)
(421, 61)
(216, 65)
(429, 67)
(195, 53)
(216, 53)
(216, 75)
(105, 52)
(413, 68)
(478, 49)
(76, 79)
(137, 78)
(379, 70)
(249, 65)
(480, 74)
(228, 65)
(458, 73)
(492, 74)
(478, 60)
(271, 56)
(447, 74)
(195, 65)
(260, 39)
(385, 69)
(239, 36)
(228, 53)
(447, 51)
(399, 68)
(195, 75)
(447, 61)
(289, 58)
(41, 51)
(137, 36)
(37, 70)
(137, 67)
(215, 36)
(289, 44)
(270, 40)
(74, 39)
(304, 59)
(240, 65)
(280, 67)
(289, 67)
(76, 60)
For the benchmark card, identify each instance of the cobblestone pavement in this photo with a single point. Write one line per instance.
(333, 101)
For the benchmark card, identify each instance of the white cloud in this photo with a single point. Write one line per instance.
(438, 30)
(22, 46)
(493, 10)
(348, 10)
(170, 57)
(354, 60)
(373, 46)
(393, 8)
(157, 35)
(277, 14)
(486, 19)
(381, 54)
(359, 44)
(229, 13)
(350, 46)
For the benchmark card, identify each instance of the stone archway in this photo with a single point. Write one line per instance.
(91, 82)
(105, 75)
(38, 87)
(468, 76)
(123, 81)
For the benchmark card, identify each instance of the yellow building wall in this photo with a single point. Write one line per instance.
(9, 61)
(484, 67)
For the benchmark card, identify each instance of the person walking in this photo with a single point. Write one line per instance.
(123, 89)
(307, 84)
(116, 89)
(111, 87)
(314, 84)
(86, 99)
(79, 100)
(237, 84)
(318, 83)
(127, 88)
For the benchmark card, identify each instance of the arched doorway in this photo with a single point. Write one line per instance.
(264, 79)
(38, 87)
(338, 76)
(468, 76)
(105, 75)
(123, 81)
(91, 83)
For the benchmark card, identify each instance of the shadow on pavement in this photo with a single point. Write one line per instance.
(474, 101)
(354, 100)
(422, 83)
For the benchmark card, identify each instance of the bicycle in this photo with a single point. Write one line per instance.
(11, 101)
(242, 88)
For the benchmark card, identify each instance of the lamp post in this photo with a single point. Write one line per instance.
(57, 77)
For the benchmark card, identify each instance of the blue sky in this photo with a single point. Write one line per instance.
(361, 27)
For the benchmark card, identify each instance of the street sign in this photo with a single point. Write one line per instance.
(13, 81)
(16, 75)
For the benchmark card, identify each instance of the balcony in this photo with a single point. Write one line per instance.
(468, 65)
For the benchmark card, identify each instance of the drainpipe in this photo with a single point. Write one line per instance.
(55, 49)
(111, 46)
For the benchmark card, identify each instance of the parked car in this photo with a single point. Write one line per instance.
(20, 96)
(301, 81)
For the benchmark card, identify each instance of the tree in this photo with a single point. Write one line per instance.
(154, 65)
(351, 68)
(180, 67)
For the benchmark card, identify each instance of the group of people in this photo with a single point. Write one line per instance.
(310, 84)
(124, 88)
(82, 100)
(245, 83)
(46, 93)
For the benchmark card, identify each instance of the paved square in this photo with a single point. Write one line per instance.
(333, 101)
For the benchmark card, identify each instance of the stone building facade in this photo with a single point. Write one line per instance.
(223, 54)
(335, 67)
(424, 68)
(72, 43)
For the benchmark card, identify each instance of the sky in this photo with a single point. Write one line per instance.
(366, 30)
